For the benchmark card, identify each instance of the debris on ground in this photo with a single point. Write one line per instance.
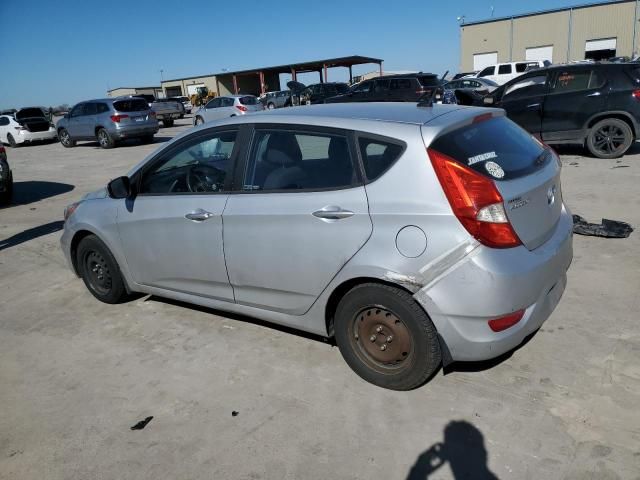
(574, 163)
(234, 413)
(620, 166)
(608, 228)
(141, 424)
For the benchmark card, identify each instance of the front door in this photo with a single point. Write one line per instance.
(301, 215)
(523, 100)
(172, 231)
(575, 95)
(74, 124)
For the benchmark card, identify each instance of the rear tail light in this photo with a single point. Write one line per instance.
(152, 113)
(20, 129)
(118, 117)
(482, 117)
(475, 201)
(241, 108)
(636, 94)
(502, 323)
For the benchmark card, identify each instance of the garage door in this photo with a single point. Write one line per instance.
(539, 53)
(174, 92)
(481, 60)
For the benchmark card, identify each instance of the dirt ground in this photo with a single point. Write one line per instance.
(76, 374)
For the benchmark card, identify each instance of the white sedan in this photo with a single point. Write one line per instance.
(26, 125)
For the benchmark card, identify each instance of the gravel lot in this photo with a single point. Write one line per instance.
(76, 374)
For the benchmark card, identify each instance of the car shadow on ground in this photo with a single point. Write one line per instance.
(243, 318)
(127, 143)
(462, 448)
(31, 234)
(35, 190)
(580, 151)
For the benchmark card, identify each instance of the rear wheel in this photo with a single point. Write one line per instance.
(609, 138)
(12, 141)
(65, 139)
(386, 338)
(104, 139)
(99, 271)
(5, 197)
(168, 123)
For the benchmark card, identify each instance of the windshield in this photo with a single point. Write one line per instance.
(249, 100)
(342, 87)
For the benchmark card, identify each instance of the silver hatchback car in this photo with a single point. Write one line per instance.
(228, 106)
(108, 120)
(414, 236)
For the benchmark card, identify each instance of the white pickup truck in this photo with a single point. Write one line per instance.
(167, 111)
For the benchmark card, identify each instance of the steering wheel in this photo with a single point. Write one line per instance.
(204, 178)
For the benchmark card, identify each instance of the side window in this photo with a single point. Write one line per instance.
(198, 166)
(534, 85)
(226, 102)
(504, 69)
(364, 87)
(102, 108)
(568, 81)
(378, 156)
(213, 103)
(487, 71)
(4, 121)
(467, 84)
(400, 84)
(290, 160)
(521, 67)
(381, 86)
(77, 111)
(90, 108)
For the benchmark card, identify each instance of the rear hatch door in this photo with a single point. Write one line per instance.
(251, 103)
(525, 172)
(137, 111)
(33, 119)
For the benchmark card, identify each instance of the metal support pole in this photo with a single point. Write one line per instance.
(570, 35)
(293, 75)
(380, 68)
(235, 84)
(511, 43)
(350, 75)
(320, 73)
(325, 72)
(261, 73)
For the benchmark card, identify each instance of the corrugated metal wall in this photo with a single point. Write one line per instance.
(587, 23)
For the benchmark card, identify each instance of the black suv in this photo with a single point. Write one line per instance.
(315, 93)
(391, 88)
(594, 105)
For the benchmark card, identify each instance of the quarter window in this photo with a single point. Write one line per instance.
(4, 121)
(378, 156)
(289, 160)
(102, 108)
(198, 166)
(504, 69)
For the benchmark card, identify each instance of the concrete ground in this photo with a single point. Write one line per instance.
(76, 374)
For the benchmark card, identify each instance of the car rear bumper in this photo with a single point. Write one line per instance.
(136, 131)
(25, 136)
(490, 283)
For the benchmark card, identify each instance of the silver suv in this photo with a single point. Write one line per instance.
(415, 236)
(108, 120)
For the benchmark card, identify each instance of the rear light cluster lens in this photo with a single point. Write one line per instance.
(118, 117)
(241, 108)
(636, 94)
(475, 201)
(68, 211)
(152, 113)
(502, 323)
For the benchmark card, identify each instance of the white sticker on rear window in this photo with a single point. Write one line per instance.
(494, 169)
(482, 157)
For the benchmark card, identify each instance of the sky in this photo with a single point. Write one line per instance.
(71, 50)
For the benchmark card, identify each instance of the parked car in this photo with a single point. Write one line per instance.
(476, 86)
(501, 73)
(108, 120)
(338, 221)
(27, 125)
(464, 74)
(315, 93)
(392, 88)
(279, 99)
(227, 106)
(596, 105)
(6, 178)
(186, 103)
(167, 111)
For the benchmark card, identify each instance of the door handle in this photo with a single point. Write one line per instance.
(332, 212)
(594, 94)
(199, 215)
(533, 106)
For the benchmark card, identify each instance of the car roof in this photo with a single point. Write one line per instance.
(399, 112)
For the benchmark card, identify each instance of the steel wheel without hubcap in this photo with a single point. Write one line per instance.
(98, 271)
(381, 339)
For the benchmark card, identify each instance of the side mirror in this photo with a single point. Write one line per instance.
(487, 100)
(119, 187)
(66, 115)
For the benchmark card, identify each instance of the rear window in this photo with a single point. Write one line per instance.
(133, 105)
(496, 141)
(378, 155)
(429, 80)
(248, 100)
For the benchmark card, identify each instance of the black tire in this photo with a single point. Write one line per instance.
(99, 271)
(168, 123)
(199, 120)
(65, 139)
(609, 138)
(104, 139)
(147, 139)
(12, 141)
(271, 106)
(5, 197)
(368, 320)
(182, 116)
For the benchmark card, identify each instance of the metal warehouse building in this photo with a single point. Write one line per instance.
(594, 31)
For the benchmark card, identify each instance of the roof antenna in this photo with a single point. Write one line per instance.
(427, 101)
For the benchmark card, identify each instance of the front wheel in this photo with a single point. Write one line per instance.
(386, 337)
(609, 138)
(65, 139)
(5, 197)
(99, 271)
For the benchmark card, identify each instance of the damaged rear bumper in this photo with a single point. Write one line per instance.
(489, 283)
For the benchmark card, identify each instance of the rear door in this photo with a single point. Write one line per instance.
(526, 173)
(575, 95)
(523, 100)
(87, 123)
(402, 90)
(300, 215)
